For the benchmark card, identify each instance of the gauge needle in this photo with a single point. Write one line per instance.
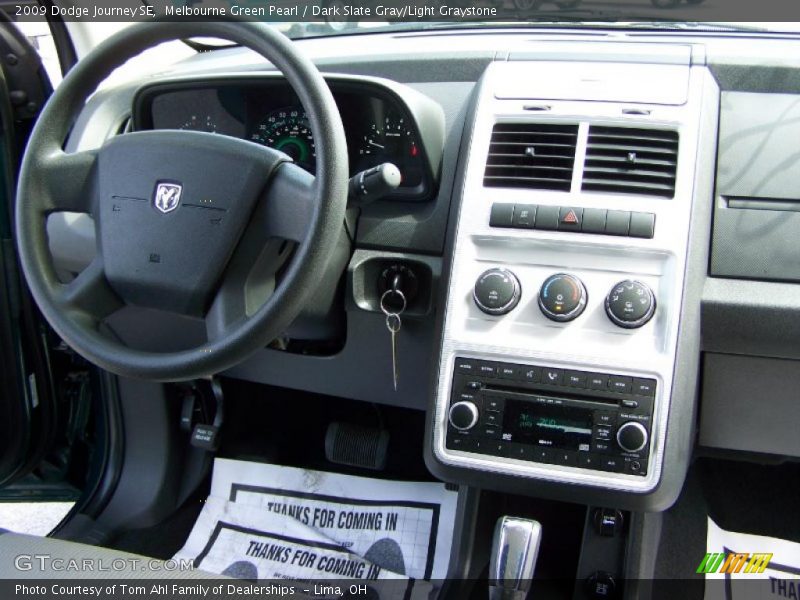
(371, 143)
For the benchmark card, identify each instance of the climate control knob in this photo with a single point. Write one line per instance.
(630, 304)
(562, 297)
(632, 436)
(497, 291)
(463, 415)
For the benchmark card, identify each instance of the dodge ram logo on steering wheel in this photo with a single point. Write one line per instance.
(167, 196)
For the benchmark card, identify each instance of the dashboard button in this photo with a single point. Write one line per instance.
(570, 219)
(611, 463)
(632, 436)
(576, 379)
(562, 297)
(487, 369)
(507, 371)
(594, 220)
(459, 441)
(524, 216)
(643, 225)
(497, 291)
(501, 215)
(587, 460)
(597, 381)
(603, 433)
(618, 222)
(604, 418)
(492, 418)
(630, 404)
(491, 432)
(644, 387)
(463, 415)
(601, 446)
(547, 218)
(494, 404)
(567, 458)
(619, 384)
(552, 376)
(464, 365)
(630, 304)
(530, 374)
(543, 454)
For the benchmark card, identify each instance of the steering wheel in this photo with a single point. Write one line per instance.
(170, 209)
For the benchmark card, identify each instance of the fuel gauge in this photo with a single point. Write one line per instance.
(200, 123)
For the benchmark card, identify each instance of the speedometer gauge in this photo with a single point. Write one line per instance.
(287, 130)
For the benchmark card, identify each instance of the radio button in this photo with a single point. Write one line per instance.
(644, 387)
(492, 417)
(601, 446)
(491, 432)
(630, 404)
(603, 432)
(597, 381)
(464, 365)
(621, 385)
(611, 463)
(587, 460)
(459, 441)
(474, 385)
(530, 374)
(543, 454)
(463, 415)
(576, 379)
(507, 371)
(632, 436)
(487, 369)
(553, 376)
(494, 403)
(568, 458)
(604, 418)
(518, 451)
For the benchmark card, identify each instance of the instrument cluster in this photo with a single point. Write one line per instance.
(378, 127)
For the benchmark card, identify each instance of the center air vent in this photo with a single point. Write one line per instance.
(629, 160)
(539, 156)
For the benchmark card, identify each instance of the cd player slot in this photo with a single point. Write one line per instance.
(527, 392)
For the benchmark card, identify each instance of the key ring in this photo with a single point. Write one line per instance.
(386, 310)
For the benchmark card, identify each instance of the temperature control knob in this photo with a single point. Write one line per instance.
(497, 291)
(630, 304)
(562, 297)
(463, 415)
(632, 436)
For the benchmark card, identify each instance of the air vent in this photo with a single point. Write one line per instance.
(629, 160)
(538, 156)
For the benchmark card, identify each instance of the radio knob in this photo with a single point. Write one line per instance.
(632, 436)
(497, 291)
(562, 297)
(463, 415)
(630, 304)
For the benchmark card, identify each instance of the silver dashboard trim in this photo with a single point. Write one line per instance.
(590, 343)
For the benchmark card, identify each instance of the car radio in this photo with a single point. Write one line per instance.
(586, 420)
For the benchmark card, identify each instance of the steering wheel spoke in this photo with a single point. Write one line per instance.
(287, 206)
(90, 294)
(68, 181)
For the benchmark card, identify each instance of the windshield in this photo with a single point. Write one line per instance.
(313, 18)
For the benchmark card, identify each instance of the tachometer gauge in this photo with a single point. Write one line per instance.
(200, 123)
(392, 140)
(287, 130)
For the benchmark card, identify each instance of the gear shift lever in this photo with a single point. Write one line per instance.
(515, 548)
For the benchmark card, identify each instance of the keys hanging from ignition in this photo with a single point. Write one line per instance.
(393, 321)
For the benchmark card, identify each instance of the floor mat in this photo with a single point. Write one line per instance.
(269, 522)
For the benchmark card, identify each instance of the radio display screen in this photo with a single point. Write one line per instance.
(549, 425)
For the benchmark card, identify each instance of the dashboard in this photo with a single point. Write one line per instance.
(556, 174)
(379, 126)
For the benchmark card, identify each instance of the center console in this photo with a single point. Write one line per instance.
(568, 332)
